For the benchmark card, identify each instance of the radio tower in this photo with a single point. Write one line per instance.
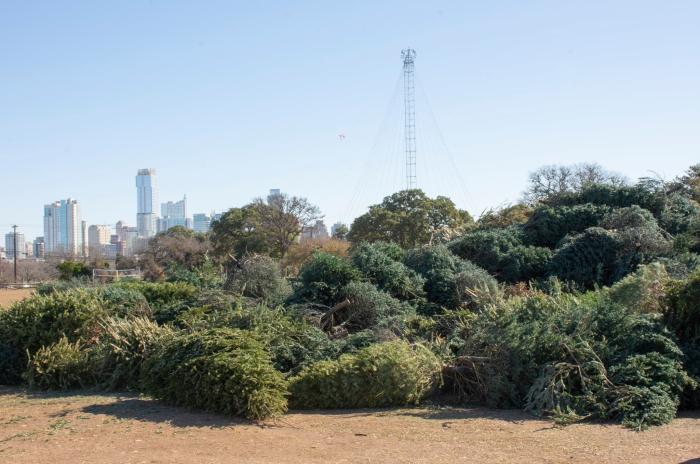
(409, 102)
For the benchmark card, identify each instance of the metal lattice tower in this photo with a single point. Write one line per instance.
(409, 100)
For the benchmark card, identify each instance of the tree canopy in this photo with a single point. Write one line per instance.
(410, 218)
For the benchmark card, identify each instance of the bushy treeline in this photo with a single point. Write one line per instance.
(581, 303)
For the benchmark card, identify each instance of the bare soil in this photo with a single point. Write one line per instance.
(9, 295)
(80, 427)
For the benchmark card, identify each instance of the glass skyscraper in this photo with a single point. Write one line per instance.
(146, 202)
(62, 228)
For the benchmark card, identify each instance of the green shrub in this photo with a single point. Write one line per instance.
(168, 299)
(220, 370)
(502, 253)
(291, 341)
(680, 266)
(683, 317)
(120, 350)
(159, 294)
(643, 291)
(391, 249)
(123, 302)
(386, 273)
(588, 259)
(322, 277)
(61, 366)
(632, 216)
(73, 270)
(204, 275)
(47, 288)
(259, 276)
(449, 280)
(680, 215)
(548, 225)
(368, 305)
(43, 320)
(644, 195)
(386, 374)
(578, 355)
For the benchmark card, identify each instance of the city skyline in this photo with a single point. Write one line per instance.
(66, 233)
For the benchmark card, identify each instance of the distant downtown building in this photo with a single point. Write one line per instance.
(174, 214)
(318, 231)
(146, 203)
(201, 222)
(62, 228)
(126, 239)
(10, 246)
(99, 236)
(38, 247)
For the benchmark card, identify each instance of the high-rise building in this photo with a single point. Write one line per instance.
(10, 246)
(98, 235)
(146, 202)
(121, 229)
(318, 231)
(274, 196)
(62, 228)
(201, 222)
(173, 214)
(38, 247)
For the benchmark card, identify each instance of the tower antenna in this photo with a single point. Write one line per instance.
(409, 102)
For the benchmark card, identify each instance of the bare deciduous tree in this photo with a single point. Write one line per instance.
(282, 219)
(550, 181)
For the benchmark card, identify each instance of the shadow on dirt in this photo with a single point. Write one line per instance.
(152, 411)
(440, 413)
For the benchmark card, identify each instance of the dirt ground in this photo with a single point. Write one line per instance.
(9, 296)
(81, 427)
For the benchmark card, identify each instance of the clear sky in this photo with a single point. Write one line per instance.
(227, 99)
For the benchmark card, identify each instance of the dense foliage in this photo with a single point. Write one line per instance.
(219, 370)
(41, 321)
(409, 218)
(582, 356)
(385, 374)
(580, 302)
(449, 280)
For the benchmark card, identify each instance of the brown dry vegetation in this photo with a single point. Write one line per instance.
(84, 428)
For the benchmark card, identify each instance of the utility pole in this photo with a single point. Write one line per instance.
(14, 248)
(409, 100)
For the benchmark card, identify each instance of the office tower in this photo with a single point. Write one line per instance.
(62, 228)
(98, 235)
(121, 229)
(201, 222)
(318, 231)
(274, 196)
(173, 214)
(10, 246)
(38, 247)
(146, 202)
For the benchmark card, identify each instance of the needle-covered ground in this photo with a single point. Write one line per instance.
(81, 427)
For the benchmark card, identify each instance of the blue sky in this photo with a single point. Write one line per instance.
(228, 99)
